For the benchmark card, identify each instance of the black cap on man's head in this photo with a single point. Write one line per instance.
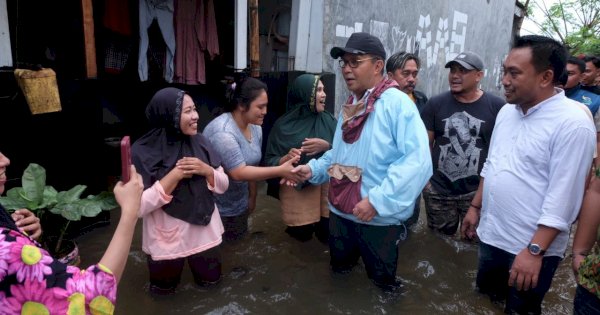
(468, 59)
(360, 44)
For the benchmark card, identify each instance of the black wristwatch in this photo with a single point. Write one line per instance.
(535, 250)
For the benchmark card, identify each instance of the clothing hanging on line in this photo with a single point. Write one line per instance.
(162, 11)
(196, 34)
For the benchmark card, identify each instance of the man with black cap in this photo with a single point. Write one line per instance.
(378, 164)
(459, 125)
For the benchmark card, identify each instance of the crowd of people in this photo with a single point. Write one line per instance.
(512, 174)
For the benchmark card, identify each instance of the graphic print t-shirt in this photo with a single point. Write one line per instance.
(462, 134)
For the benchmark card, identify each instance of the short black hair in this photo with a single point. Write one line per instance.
(564, 77)
(578, 62)
(546, 53)
(593, 59)
(247, 89)
(399, 59)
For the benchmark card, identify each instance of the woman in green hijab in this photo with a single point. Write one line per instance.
(307, 130)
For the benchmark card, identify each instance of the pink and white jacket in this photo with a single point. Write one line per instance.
(165, 237)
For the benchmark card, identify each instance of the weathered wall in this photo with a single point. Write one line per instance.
(437, 30)
(5, 52)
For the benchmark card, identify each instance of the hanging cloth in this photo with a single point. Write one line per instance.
(116, 16)
(195, 33)
(162, 11)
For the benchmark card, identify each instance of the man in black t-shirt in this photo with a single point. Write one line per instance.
(459, 125)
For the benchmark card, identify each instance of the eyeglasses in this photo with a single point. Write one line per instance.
(353, 63)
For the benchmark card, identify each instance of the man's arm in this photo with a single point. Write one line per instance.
(468, 228)
(525, 269)
(431, 136)
(587, 225)
(568, 166)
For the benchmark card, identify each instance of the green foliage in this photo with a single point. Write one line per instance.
(36, 196)
(576, 23)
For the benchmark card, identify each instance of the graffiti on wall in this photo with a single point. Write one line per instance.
(448, 41)
(347, 30)
(434, 41)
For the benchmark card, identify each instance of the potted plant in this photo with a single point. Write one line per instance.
(58, 208)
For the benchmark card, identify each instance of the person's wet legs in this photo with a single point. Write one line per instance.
(530, 301)
(379, 251)
(302, 233)
(235, 227)
(343, 247)
(322, 230)
(165, 275)
(492, 272)
(492, 279)
(206, 267)
(585, 302)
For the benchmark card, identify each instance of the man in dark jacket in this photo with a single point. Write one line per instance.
(403, 67)
(574, 90)
(590, 74)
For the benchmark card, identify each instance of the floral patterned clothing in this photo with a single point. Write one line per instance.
(32, 282)
(589, 271)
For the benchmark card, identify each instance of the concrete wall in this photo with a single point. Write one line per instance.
(5, 51)
(438, 30)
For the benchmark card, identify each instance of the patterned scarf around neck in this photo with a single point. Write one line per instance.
(353, 122)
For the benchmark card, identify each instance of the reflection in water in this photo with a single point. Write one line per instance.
(268, 272)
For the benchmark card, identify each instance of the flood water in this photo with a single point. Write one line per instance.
(268, 272)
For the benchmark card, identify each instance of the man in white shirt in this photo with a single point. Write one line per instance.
(533, 180)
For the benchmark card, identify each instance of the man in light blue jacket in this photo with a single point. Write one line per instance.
(378, 165)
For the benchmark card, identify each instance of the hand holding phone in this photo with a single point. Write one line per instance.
(125, 159)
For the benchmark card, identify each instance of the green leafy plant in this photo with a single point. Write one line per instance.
(39, 198)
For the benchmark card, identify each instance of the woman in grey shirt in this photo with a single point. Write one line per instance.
(237, 136)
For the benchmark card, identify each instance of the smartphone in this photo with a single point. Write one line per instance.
(125, 159)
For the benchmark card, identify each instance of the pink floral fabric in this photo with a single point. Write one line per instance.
(32, 282)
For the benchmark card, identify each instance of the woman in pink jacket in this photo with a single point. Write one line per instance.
(181, 172)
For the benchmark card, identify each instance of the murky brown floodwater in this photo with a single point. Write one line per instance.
(270, 273)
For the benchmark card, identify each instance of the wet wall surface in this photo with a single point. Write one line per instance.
(434, 30)
(268, 272)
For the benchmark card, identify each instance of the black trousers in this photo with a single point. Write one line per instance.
(377, 245)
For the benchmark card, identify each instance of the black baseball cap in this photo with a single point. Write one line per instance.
(468, 59)
(360, 43)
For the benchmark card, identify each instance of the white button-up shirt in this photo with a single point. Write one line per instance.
(535, 173)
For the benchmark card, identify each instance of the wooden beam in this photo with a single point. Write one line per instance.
(91, 70)
(254, 39)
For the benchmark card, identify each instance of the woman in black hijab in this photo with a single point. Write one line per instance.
(180, 172)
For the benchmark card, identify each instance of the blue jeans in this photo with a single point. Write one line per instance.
(492, 279)
(585, 302)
